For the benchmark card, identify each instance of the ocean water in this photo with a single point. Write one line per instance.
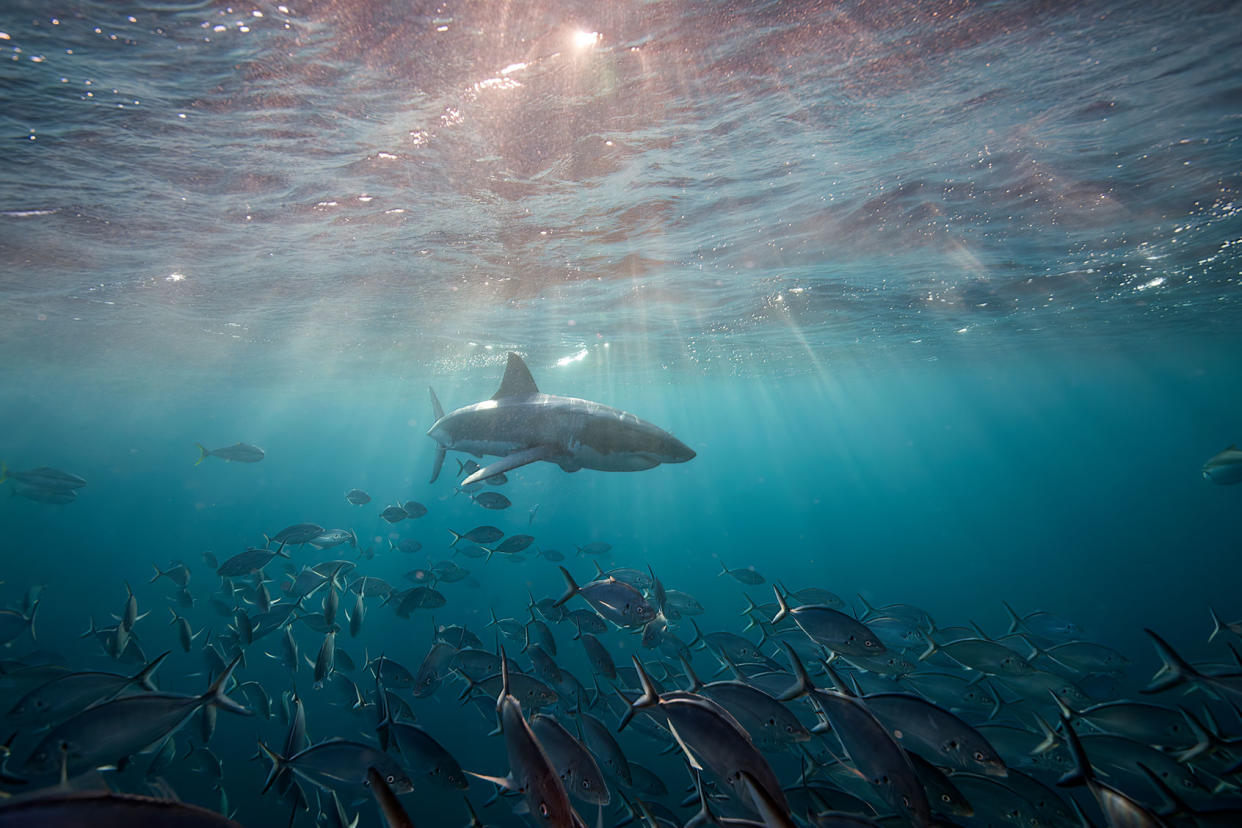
(945, 296)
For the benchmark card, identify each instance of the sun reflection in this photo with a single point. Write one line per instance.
(583, 39)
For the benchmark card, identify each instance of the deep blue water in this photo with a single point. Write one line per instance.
(945, 296)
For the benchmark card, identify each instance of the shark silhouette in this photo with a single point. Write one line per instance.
(520, 425)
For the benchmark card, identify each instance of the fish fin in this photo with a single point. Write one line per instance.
(694, 763)
(698, 635)
(504, 782)
(437, 410)
(784, 606)
(571, 587)
(278, 765)
(1217, 625)
(30, 619)
(804, 684)
(1015, 620)
(510, 462)
(517, 379)
(695, 683)
(437, 463)
(159, 573)
(1081, 773)
(144, 677)
(215, 694)
(1178, 670)
(203, 453)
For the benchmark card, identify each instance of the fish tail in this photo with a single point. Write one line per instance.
(204, 453)
(215, 693)
(146, 675)
(649, 698)
(278, 765)
(698, 635)
(932, 649)
(456, 538)
(784, 606)
(868, 610)
(1175, 671)
(571, 587)
(1217, 626)
(1015, 620)
(158, 573)
(804, 684)
(1081, 773)
(30, 619)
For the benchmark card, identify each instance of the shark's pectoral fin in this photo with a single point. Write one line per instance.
(511, 461)
(437, 464)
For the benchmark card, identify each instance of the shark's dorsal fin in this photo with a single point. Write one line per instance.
(517, 379)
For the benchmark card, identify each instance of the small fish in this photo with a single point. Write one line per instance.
(57, 497)
(413, 509)
(595, 548)
(236, 453)
(831, 628)
(334, 537)
(1224, 468)
(577, 767)
(478, 535)
(252, 560)
(407, 546)
(71, 693)
(549, 554)
(114, 730)
(357, 497)
(746, 576)
(394, 514)
(178, 573)
(616, 600)
(337, 760)
(492, 500)
(44, 477)
(423, 754)
(420, 598)
(184, 634)
(297, 534)
(325, 662)
(514, 544)
(433, 670)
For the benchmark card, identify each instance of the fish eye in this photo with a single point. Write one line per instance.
(586, 783)
(979, 757)
(390, 779)
(945, 798)
(543, 809)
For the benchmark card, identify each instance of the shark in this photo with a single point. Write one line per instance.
(522, 425)
(1224, 468)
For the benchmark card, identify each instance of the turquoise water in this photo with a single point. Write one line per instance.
(945, 297)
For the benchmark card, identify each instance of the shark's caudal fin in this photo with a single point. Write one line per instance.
(508, 463)
(517, 379)
(437, 411)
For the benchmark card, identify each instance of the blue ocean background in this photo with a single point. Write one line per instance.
(945, 296)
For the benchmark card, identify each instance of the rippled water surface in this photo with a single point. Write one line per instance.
(946, 296)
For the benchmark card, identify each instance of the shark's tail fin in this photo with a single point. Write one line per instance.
(203, 453)
(437, 411)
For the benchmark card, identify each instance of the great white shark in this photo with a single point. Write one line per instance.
(521, 425)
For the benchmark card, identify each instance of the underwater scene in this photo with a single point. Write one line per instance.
(664, 413)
